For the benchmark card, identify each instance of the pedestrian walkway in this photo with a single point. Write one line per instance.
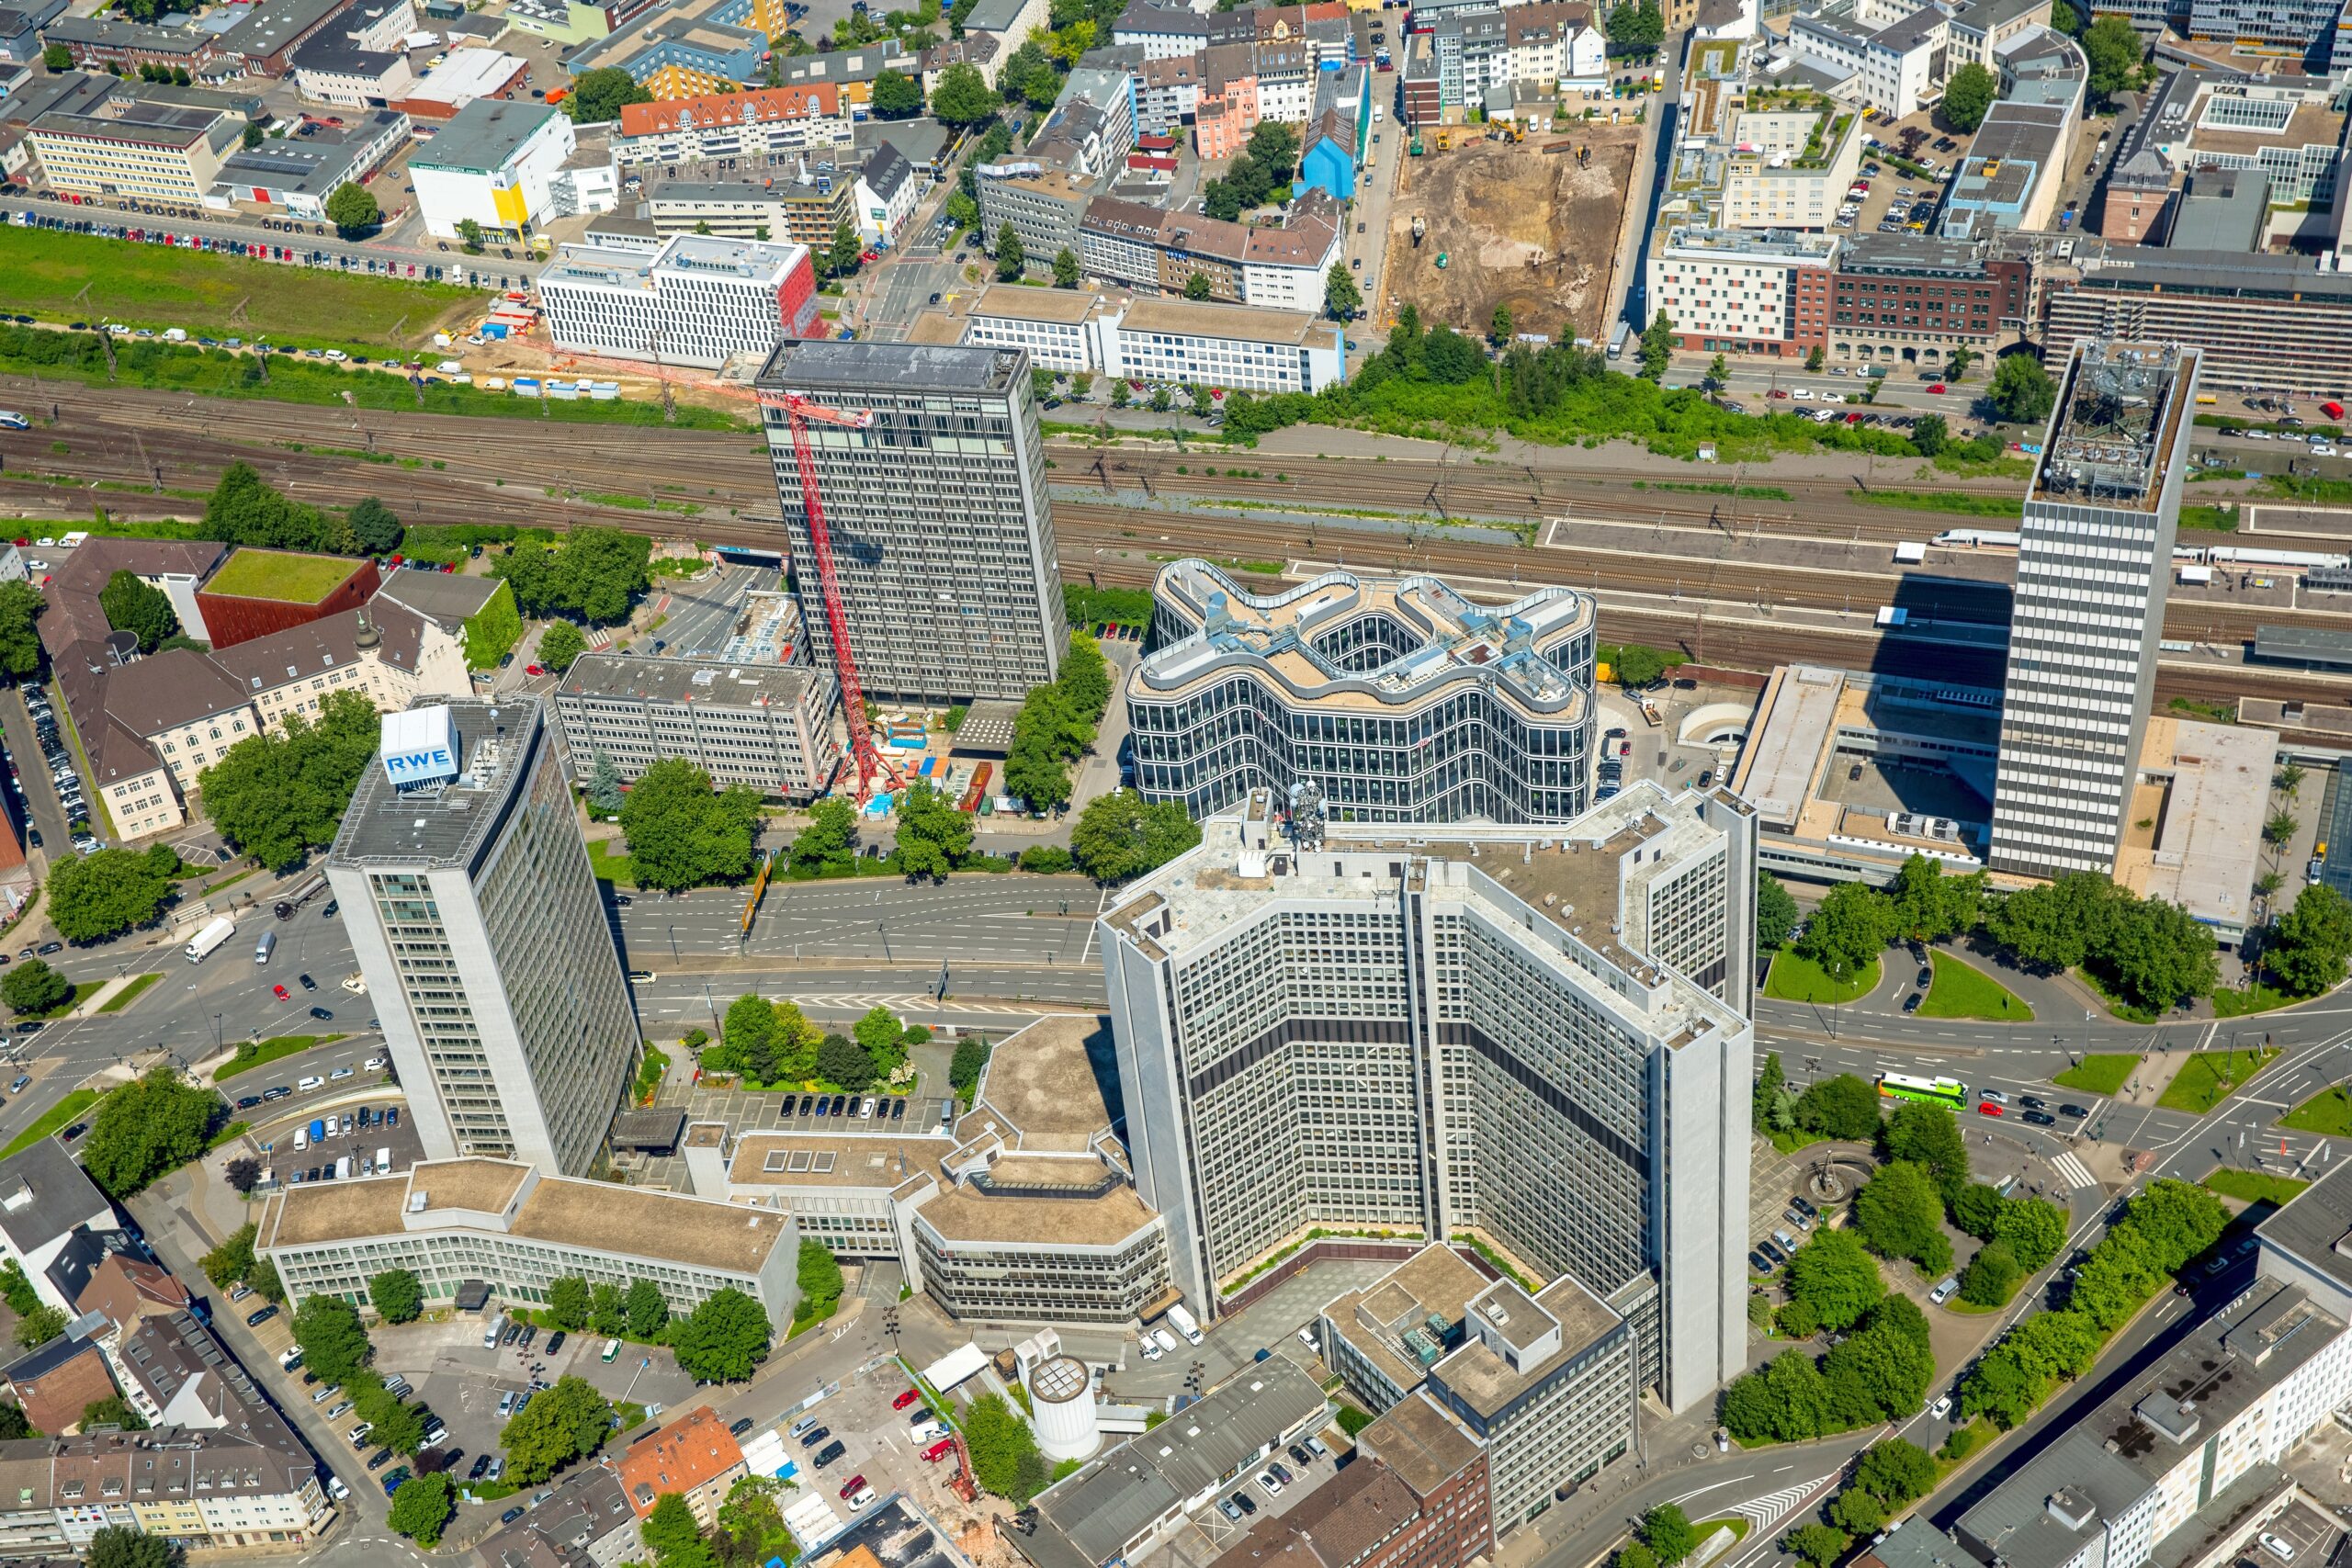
(2072, 1169)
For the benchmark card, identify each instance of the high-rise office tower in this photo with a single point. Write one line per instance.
(2094, 561)
(934, 499)
(486, 949)
(1540, 1036)
(1404, 701)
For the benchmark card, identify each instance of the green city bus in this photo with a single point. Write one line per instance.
(1935, 1091)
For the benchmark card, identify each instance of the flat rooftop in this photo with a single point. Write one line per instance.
(2315, 1227)
(834, 365)
(811, 1160)
(1378, 1319)
(1417, 1439)
(621, 677)
(1059, 307)
(1046, 1081)
(2214, 784)
(1795, 730)
(2122, 409)
(1192, 318)
(1482, 1377)
(444, 826)
(964, 1215)
(281, 575)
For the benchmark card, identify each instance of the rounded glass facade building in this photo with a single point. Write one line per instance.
(1401, 698)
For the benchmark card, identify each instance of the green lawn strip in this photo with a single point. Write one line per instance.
(2249, 1000)
(1939, 500)
(2254, 1186)
(2328, 1113)
(130, 993)
(280, 575)
(609, 867)
(54, 1121)
(1705, 1530)
(250, 1055)
(74, 999)
(1796, 979)
(1796, 1138)
(2099, 1073)
(1962, 991)
(2209, 1077)
(230, 880)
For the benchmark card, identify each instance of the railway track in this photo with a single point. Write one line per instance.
(110, 447)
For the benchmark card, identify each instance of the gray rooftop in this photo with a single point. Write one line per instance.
(482, 136)
(447, 598)
(2315, 1227)
(43, 1194)
(2056, 1505)
(438, 828)
(891, 366)
(715, 682)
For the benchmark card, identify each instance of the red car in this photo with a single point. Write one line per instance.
(1986, 1108)
(905, 1399)
(852, 1484)
(939, 1450)
(1778, 393)
(541, 669)
(867, 256)
(1937, 387)
(279, 992)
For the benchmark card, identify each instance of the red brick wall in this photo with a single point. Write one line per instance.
(232, 620)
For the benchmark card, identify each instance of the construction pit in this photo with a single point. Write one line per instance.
(1517, 225)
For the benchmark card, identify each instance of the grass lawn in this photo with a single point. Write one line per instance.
(1962, 991)
(2254, 1186)
(2328, 1113)
(2099, 1074)
(130, 993)
(609, 867)
(1735, 1523)
(72, 999)
(281, 575)
(155, 286)
(1794, 978)
(2128, 1012)
(250, 1055)
(2209, 1078)
(62, 1115)
(2251, 999)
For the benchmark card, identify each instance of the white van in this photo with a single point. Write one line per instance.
(301, 1139)
(492, 1330)
(384, 1162)
(265, 947)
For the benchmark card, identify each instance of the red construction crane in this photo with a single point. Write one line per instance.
(797, 411)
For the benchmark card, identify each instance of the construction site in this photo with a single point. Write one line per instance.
(1527, 219)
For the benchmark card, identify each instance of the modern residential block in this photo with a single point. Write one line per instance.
(2093, 564)
(476, 920)
(1397, 698)
(699, 301)
(942, 538)
(768, 725)
(1540, 1037)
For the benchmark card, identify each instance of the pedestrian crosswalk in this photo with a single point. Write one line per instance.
(1771, 1508)
(2074, 1170)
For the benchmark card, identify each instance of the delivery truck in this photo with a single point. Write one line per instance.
(1184, 1324)
(209, 938)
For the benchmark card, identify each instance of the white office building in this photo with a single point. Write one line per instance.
(1190, 341)
(493, 163)
(476, 922)
(699, 301)
(2094, 561)
(934, 501)
(1538, 1036)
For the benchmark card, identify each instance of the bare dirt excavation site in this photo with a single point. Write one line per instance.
(1517, 226)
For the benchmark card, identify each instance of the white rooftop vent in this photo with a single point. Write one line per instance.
(416, 1201)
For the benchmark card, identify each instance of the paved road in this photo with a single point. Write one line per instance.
(702, 613)
(39, 792)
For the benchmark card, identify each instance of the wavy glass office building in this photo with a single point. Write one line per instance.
(1538, 1035)
(1403, 700)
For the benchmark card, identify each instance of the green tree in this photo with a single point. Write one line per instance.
(2114, 48)
(1066, 272)
(33, 987)
(60, 59)
(1120, 835)
(820, 1276)
(830, 841)
(263, 1278)
(1000, 1441)
(112, 1411)
(396, 1295)
(2033, 1229)
(560, 644)
(1776, 915)
(648, 1309)
(1498, 329)
(333, 1344)
(1900, 1214)
(1930, 435)
(600, 94)
(1927, 906)
(1784, 1400)
(964, 1068)
(2156, 954)
(150, 1126)
(1341, 298)
(1633, 1554)
(375, 527)
(567, 1302)
(1814, 358)
(1198, 286)
(353, 211)
(934, 836)
(1011, 259)
(1857, 1511)
(683, 833)
(470, 235)
(963, 98)
(1842, 1106)
(2021, 389)
(565, 1423)
(842, 257)
(1849, 929)
(133, 606)
(1991, 1277)
(882, 1039)
(1929, 1137)
(725, 1339)
(2309, 945)
(1957, 362)
(1667, 1531)
(897, 95)
(1771, 1081)
(1657, 340)
(841, 1060)
(120, 1546)
(1832, 1274)
(1897, 1472)
(421, 1508)
(277, 796)
(603, 787)
(97, 895)
(41, 1326)
(1718, 371)
(1634, 28)
(595, 574)
(1968, 93)
(607, 1314)
(20, 651)
(1977, 1211)
(229, 1262)
(673, 1536)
